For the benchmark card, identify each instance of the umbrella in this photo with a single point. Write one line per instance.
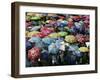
(35, 18)
(62, 33)
(53, 35)
(44, 55)
(35, 39)
(82, 38)
(41, 35)
(30, 14)
(48, 40)
(53, 49)
(28, 24)
(35, 28)
(70, 24)
(34, 54)
(58, 42)
(83, 49)
(62, 23)
(46, 30)
(70, 39)
(30, 34)
(39, 45)
(28, 45)
(76, 18)
(73, 47)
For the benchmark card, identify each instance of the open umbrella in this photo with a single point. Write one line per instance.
(41, 35)
(46, 30)
(35, 28)
(30, 14)
(53, 35)
(70, 39)
(80, 38)
(53, 50)
(83, 49)
(30, 34)
(48, 40)
(33, 18)
(34, 54)
(62, 33)
(35, 39)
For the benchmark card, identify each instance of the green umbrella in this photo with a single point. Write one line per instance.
(62, 33)
(35, 18)
(53, 35)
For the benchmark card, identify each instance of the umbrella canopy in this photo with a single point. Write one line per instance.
(30, 14)
(34, 54)
(53, 49)
(35, 18)
(44, 54)
(83, 49)
(41, 35)
(35, 39)
(53, 35)
(62, 33)
(70, 39)
(46, 30)
(73, 47)
(35, 28)
(30, 34)
(48, 40)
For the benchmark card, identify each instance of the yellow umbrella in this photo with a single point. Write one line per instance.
(83, 49)
(53, 35)
(70, 39)
(30, 34)
(30, 14)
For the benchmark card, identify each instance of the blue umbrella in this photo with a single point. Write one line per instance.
(44, 55)
(35, 39)
(58, 42)
(73, 47)
(28, 45)
(53, 49)
(39, 44)
(48, 41)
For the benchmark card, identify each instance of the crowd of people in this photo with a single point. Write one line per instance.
(57, 39)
